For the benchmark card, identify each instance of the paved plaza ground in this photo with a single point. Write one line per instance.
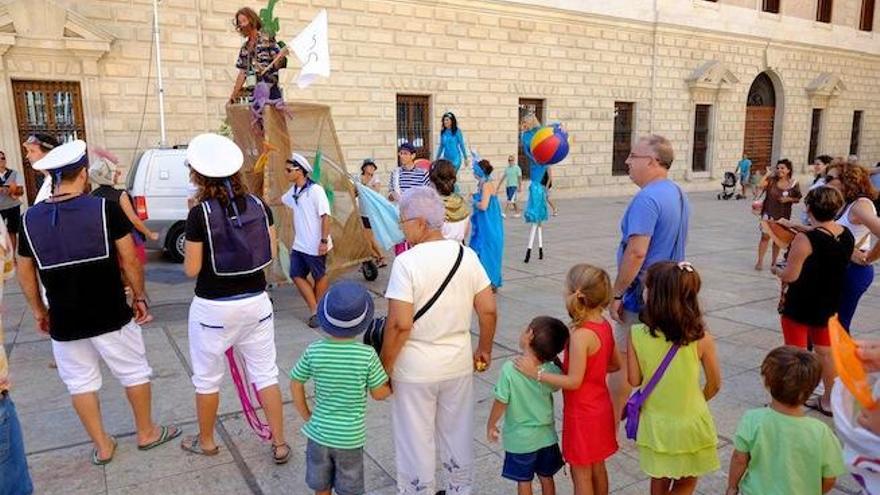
(740, 306)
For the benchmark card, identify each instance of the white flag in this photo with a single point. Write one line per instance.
(313, 50)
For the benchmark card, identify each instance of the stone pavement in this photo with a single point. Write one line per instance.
(741, 312)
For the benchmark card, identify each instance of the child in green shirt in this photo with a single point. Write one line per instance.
(529, 434)
(778, 449)
(343, 370)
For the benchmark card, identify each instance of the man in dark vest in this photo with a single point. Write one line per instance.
(78, 243)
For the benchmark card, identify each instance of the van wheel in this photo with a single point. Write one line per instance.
(175, 242)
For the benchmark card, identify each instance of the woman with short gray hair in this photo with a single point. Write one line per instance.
(429, 357)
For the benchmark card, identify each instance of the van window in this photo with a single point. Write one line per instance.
(168, 176)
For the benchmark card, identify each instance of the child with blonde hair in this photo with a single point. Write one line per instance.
(588, 425)
(676, 434)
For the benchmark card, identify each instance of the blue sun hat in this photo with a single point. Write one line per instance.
(346, 310)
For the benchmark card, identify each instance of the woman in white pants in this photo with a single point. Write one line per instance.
(229, 240)
(430, 360)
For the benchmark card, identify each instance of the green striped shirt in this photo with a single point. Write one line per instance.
(343, 371)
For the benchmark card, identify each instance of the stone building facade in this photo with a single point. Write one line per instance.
(693, 70)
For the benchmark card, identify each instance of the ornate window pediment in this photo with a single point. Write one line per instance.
(823, 88)
(44, 20)
(708, 79)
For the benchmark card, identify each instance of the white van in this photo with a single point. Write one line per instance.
(159, 186)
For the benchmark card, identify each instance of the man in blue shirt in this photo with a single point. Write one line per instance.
(654, 228)
(743, 171)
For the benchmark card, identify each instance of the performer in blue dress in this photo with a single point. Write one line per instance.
(487, 227)
(536, 207)
(451, 145)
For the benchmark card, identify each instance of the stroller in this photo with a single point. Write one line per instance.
(728, 187)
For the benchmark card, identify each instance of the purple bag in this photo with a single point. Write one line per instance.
(633, 408)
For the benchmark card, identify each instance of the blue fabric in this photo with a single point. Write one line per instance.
(14, 477)
(858, 279)
(544, 462)
(511, 192)
(487, 234)
(452, 147)
(238, 245)
(82, 225)
(536, 205)
(744, 166)
(655, 211)
(383, 215)
(302, 264)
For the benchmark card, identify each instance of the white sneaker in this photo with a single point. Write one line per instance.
(503, 215)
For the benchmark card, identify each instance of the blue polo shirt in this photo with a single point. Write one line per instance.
(660, 210)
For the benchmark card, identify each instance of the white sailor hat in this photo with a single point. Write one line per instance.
(213, 155)
(72, 154)
(298, 160)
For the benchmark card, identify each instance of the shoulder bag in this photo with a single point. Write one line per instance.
(633, 408)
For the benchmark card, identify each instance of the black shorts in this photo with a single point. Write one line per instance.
(12, 218)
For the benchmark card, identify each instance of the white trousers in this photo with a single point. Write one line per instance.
(214, 326)
(424, 414)
(123, 351)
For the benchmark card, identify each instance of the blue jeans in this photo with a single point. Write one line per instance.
(858, 279)
(14, 477)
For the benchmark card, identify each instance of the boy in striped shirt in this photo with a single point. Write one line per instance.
(343, 370)
(407, 175)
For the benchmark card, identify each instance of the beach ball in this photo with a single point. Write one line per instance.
(549, 144)
(423, 164)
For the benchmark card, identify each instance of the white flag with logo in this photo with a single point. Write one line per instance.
(312, 48)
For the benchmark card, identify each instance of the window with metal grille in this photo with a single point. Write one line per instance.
(866, 20)
(823, 11)
(771, 6)
(702, 116)
(47, 107)
(623, 130)
(815, 129)
(527, 106)
(856, 134)
(414, 123)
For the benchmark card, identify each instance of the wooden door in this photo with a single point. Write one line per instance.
(758, 139)
(47, 107)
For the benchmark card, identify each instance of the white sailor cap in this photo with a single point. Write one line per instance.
(298, 160)
(72, 154)
(213, 155)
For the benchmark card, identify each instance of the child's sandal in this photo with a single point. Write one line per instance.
(283, 459)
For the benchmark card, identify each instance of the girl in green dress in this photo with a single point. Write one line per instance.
(676, 438)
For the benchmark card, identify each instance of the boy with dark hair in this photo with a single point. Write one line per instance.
(778, 449)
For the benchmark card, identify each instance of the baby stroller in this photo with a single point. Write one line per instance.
(728, 187)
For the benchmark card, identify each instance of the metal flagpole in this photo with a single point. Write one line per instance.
(161, 88)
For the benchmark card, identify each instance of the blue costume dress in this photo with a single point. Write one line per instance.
(487, 231)
(452, 147)
(536, 205)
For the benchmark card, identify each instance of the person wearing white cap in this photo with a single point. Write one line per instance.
(230, 238)
(311, 232)
(69, 238)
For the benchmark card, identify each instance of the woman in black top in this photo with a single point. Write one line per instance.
(229, 240)
(815, 275)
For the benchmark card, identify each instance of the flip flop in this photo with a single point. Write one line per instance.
(192, 445)
(101, 462)
(283, 459)
(164, 436)
(816, 405)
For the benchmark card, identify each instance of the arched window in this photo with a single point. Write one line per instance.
(762, 94)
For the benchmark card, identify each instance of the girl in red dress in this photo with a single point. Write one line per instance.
(588, 426)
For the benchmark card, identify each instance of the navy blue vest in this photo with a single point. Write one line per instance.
(79, 236)
(238, 245)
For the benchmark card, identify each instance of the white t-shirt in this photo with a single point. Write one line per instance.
(307, 212)
(439, 346)
(456, 231)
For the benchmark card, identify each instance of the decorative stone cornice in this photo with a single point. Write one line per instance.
(20, 25)
(707, 80)
(823, 88)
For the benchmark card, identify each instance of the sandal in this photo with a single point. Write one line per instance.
(381, 263)
(167, 433)
(102, 462)
(817, 406)
(193, 445)
(283, 459)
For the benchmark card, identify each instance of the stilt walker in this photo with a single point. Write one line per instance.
(535, 212)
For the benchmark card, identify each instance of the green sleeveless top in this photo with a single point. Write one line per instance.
(675, 418)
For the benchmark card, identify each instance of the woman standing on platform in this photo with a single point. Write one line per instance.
(451, 145)
(229, 240)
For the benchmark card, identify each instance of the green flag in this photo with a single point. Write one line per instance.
(318, 178)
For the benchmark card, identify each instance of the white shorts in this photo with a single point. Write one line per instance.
(123, 351)
(214, 326)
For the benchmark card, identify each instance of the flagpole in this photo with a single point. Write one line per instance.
(161, 89)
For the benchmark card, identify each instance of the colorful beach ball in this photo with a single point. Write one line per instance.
(549, 145)
(423, 163)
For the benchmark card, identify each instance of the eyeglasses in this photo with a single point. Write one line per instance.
(289, 170)
(401, 222)
(633, 155)
(829, 178)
